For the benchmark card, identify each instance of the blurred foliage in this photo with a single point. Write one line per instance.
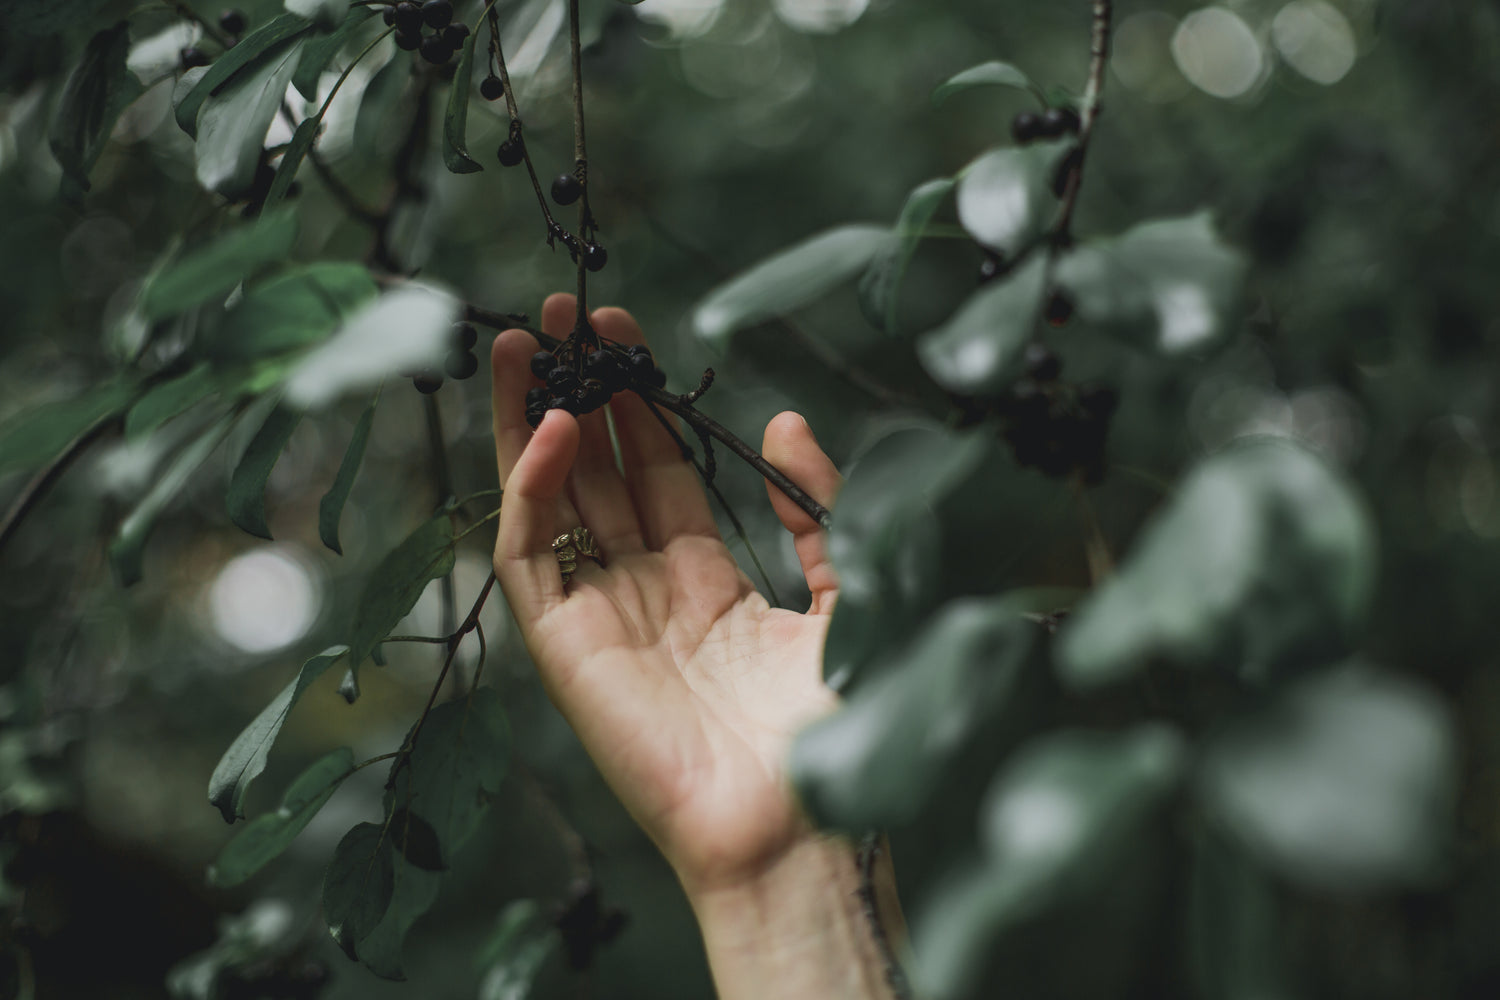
(1210, 714)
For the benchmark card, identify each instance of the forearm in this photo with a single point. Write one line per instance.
(799, 931)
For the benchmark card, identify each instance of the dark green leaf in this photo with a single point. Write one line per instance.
(1169, 285)
(246, 498)
(877, 761)
(416, 841)
(880, 287)
(232, 123)
(130, 541)
(416, 891)
(980, 349)
(33, 438)
(1264, 559)
(376, 103)
(522, 940)
(358, 886)
(1347, 783)
(291, 160)
(396, 583)
(262, 42)
(1005, 197)
(98, 89)
(459, 760)
(246, 757)
(294, 309)
(331, 507)
(988, 74)
(211, 271)
(456, 121)
(789, 280)
(262, 840)
(319, 51)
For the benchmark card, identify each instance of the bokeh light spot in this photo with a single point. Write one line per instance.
(264, 600)
(819, 15)
(1218, 52)
(684, 18)
(1142, 56)
(1315, 40)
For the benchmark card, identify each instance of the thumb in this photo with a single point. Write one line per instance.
(790, 446)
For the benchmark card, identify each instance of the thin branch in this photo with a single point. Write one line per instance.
(868, 854)
(581, 325)
(555, 229)
(1093, 91)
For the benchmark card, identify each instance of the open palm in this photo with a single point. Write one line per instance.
(683, 683)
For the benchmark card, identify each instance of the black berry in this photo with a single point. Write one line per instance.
(1057, 122)
(435, 50)
(1059, 309)
(595, 257)
(408, 41)
(641, 367)
(536, 397)
(1042, 364)
(455, 34)
(460, 364)
(566, 189)
(491, 89)
(232, 21)
(388, 16)
(437, 13)
(511, 152)
(465, 336)
(562, 379)
(534, 414)
(192, 56)
(427, 383)
(542, 363)
(408, 18)
(658, 378)
(1026, 127)
(638, 351)
(1098, 401)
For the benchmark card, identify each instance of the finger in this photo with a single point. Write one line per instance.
(598, 490)
(558, 314)
(790, 446)
(510, 368)
(524, 561)
(668, 496)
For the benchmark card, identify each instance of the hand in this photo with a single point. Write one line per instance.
(684, 685)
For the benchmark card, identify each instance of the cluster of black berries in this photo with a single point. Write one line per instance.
(459, 364)
(586, 386)
(1054, 123)
(231, 22)
(1055, 427)
(409, 19)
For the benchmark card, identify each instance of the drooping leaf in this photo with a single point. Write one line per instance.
(1171, 285)
(416, 841)
(375, 103)
(232, 123)
(32, 439)
(396, 583)
(878, 760)
(262, 840)
(246, 757)
(130, 541)
(291, 160)
(359, 885)
(513, 954)
(456, 120)
(405, 329)
(1347, 783)
(416, 890)
(168, 399)
(880, 287)
(98, 89)
(1005, 197)
(980, 349)
(789, 280)
(247, 52)
(1052, 823)
(320, 50)
(1264, 559)
(246, 497)
(296, 308)
(211, 271)
(331, 507)
(989, 74)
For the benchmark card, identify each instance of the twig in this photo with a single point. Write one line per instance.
(1093, 91)
(555, 229)
(581, 325)
(442, 481)
(868, 854)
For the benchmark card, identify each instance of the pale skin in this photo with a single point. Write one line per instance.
(684, 685)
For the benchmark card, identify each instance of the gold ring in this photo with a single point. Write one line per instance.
(571, 545)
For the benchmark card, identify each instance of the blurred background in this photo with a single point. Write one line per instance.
(1349, 147)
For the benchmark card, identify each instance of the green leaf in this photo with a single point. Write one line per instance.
(878, 761)
(262, 840)
(456, 121)
(212, 271)
(326, 14)
(358, 886)
(169, 399)
(1064, 811)
(403, 330)
(248, 51)
(416, 890)
(990, 74)
(881, 284)
(789, 280)
(296, 308)
(1005, 197)
(35, 437)
(291, 160)
(318, 52)
(416, 841)
(979, 351)
(1171, 285)
(376, 103)
(246, 498)
(98, 89)
(246, 757)
(1234, 925)
(331, 507)
(396, 583)
(513, 954)
(233, 122)
(125, 552)
(1347, 783)
(458, 762)
(1265, 559)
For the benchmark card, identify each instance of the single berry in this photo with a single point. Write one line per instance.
(388, 16)
(460, 364)
(595, 257)
(638, 351)
(408, 18)
(562, 379)
(1058, 122)
(542, 363)
(455, 34)
(465, 336)
(1041, 363)
(408, 41)
(232, 21)
(534, 415)
(641, 367)
(536, 397)
(437, 13)
(427, 383)
(491, 89)
(1059, 309)
(599, 362)
(658, 378)
(1026, 127)
(1098, 401)
(435, 50)
(567, 404)
(511, 152)
(566, 189)
(193, 56)
(991, 268)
